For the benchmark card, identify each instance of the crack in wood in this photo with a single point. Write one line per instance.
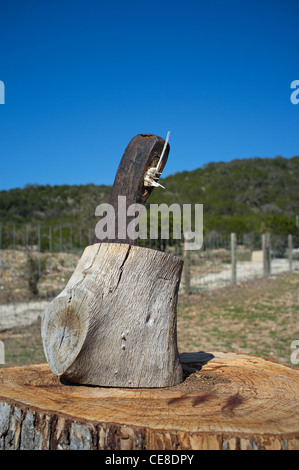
(121, 269)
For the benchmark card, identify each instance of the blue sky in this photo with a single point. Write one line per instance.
(83, 78)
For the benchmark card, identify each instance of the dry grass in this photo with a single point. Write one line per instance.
(23, 345)
(26, 276)
(259, 317)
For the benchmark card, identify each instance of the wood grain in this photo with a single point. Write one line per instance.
(114, 324)
(232, 401)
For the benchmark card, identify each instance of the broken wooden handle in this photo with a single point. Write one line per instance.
(141, 154)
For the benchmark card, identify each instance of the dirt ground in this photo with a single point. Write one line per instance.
(258, 317)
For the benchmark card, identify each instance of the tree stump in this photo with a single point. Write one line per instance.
(226, 401)
(114, 324)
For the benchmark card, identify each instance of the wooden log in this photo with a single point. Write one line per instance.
(227, 401)
(233, 249)
(266, 246)
(114, 324)
(290, 251)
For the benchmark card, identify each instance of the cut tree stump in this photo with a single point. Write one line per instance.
(114, 324)
(227, 401)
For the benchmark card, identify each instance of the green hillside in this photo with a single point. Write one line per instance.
(241, 196)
